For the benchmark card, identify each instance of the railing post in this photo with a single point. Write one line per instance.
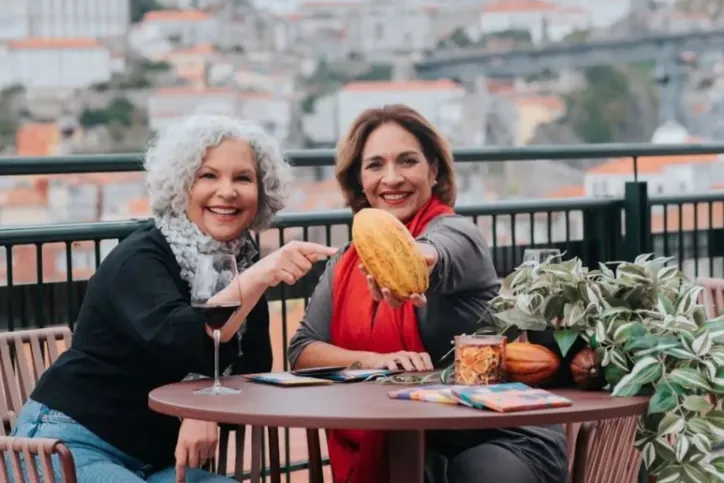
(637, 215)
(591, 250)
(600, 243)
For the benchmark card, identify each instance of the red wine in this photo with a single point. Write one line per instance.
(216, 316)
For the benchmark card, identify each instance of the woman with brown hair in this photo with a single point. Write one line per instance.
(393, 159)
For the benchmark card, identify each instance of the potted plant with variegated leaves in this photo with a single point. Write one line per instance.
(651, 337)
(656, 341)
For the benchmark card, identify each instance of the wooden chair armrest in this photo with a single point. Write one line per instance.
(43, 448)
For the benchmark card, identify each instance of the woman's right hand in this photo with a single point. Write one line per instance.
(291, 262)
(408, 361)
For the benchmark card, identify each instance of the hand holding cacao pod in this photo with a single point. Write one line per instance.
(397, 267)
(419, 300)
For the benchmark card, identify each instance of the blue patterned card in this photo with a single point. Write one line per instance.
(356, 375)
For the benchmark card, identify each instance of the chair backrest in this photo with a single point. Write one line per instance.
(605, 452)
(712, 296)
(24, 356)
(41, 450)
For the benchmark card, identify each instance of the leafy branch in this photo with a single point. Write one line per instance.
(648, 328)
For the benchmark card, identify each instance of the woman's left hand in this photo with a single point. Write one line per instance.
(430, 255)
(197, 442)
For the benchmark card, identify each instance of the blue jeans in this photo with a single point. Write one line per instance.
(95, 460)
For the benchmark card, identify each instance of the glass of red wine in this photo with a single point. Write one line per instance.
(216, 296)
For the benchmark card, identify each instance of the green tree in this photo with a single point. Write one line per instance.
(153, 66)
(93, 117)
(376, 72)
(325, 74)
(576, 37)
(11, 113)
(458, 38)
(119, 112)
(139, 8)
(308, 104)
(519, 38)
(597, 111)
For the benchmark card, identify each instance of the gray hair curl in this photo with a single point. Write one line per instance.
(176, 154)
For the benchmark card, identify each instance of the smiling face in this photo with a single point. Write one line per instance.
(395, 175)
(224, 197)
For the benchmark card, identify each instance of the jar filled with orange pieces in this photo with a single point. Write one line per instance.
(480, 359)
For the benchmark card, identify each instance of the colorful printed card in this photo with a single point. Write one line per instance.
(508, 397)
(286, 379)
(439, 393)
(504, 397)
(356, 375)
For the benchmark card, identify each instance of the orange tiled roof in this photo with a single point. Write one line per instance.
(25, 197)
(198, 49)
(649, 164)
(322, 4)
(36, 139)
(415, 85)
(681, 15)
(519, 6)
(139, 207)
(175, 16)
(97, 178)
(549, 102)
(39, 43)
(567, 192)
(255, 95)
(497, 86)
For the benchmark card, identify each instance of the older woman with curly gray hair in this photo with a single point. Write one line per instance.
(211, 180)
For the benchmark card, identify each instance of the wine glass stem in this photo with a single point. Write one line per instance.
(217, 336)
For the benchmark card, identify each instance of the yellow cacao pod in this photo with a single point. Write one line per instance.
(389, 253)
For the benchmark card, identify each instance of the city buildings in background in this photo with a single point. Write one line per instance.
(90, 76)
(82, 76)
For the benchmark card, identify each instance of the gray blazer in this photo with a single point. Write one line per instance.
(461, 286)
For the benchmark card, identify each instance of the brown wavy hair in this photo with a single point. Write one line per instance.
(435, 147)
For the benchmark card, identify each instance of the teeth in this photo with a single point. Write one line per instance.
(223, 211)
(395, 196)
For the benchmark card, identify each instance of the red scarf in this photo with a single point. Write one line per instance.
(361, 456)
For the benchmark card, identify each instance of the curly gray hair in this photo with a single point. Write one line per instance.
(176, 154)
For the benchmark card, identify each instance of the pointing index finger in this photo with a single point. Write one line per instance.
(309, 248)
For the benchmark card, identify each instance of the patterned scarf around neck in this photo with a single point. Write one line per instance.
(188, 242)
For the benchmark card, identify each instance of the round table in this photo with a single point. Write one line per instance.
(366, 406)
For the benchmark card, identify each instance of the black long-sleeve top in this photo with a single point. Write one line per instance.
(135, 332)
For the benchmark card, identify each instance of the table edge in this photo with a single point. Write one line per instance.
(523, 418)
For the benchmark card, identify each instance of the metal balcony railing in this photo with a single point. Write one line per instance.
(689, 227)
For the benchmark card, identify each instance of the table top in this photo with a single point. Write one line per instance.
(365, 405)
